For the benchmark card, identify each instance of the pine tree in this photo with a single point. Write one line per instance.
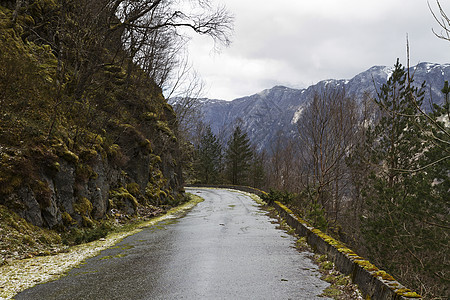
(238, 157)
(209, 158)
(405, 196)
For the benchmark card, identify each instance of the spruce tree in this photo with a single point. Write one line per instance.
(238, 157)
(209, 158)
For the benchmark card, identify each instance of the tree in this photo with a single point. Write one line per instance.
(443, 21)
(257, 174)
(406, 195)
(327, 134)
(209, 158)
(238, 157)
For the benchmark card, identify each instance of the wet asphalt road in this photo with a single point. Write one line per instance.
(225, 248)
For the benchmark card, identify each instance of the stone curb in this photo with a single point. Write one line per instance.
(372, 282)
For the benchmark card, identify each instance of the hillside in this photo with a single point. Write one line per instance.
(273, 113)
(85, 134)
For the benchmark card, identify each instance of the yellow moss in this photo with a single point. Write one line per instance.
(151, 116)
(284, 207)
(121, 194)
(83, 206)
(87, 154)
(411, 295)
(382, 274)
(366, 265)
(164, 127)
(67, 219)
(87, 222)
(133, 188)
(146, 145)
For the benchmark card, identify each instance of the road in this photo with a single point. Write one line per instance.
(225, 248)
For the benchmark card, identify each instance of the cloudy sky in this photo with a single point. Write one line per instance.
(297, 43)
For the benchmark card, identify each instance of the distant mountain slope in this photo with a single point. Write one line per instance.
(273, 112)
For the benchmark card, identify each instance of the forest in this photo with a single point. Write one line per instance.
(85, 132)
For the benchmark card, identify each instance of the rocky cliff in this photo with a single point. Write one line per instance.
(83, 135)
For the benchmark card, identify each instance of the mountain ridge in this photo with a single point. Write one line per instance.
(273, 112)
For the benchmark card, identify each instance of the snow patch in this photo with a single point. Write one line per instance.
(297, 114)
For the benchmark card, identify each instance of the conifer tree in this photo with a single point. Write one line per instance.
(209, 158)
(406, 215)
(238, 157)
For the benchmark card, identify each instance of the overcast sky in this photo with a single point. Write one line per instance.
(297, 43)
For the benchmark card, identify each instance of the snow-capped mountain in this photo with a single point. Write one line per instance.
(273, 113)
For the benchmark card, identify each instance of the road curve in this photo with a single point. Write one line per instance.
(225, 248)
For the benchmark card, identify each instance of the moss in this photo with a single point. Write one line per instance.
(133, 188)
(62, 151)
(332, 292)
(327, 265)
(146, 145)
(69, 156)
(83, 206)
(284, 207)
(150, 116)
(164, 127)
(382, 274)
(67, 219)
(407, 293)
(42, 192)
(411, 295)
(9, 183)
(88, 154)
(87, 222)
(119, 196)
(85, 173)
(366, 265)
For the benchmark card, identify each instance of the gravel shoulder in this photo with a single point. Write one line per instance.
(20, 275)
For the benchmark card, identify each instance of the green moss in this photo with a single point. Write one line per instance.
(150, 116)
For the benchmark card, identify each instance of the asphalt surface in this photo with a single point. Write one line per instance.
(225, 248)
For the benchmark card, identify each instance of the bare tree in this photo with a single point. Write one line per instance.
(327, 131)
(443, 21)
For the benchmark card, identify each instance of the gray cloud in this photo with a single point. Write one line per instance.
(299, 42)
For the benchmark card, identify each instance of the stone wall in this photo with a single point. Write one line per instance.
(373, 282)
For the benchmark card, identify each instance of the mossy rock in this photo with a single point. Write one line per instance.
(67, 219)
(83, 206)
(123, 200)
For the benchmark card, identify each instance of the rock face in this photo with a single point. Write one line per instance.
(273, 113)
(71, 199)
(79, 141)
